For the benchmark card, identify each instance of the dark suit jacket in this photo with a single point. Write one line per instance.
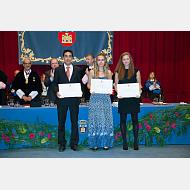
(60, 77)
(85, 90)
(34, 84)
(83, 70)
(4, 79)
(48, 83)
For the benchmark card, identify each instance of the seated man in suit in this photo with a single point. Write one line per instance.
(49, 79)
(27, 84)
(84, 73)
(67, 73)
(4, 83)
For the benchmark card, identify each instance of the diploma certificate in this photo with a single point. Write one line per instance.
(128, 90)
(70, 90)
(102, 86)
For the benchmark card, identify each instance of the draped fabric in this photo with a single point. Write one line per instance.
(41, 46)
(167, 53)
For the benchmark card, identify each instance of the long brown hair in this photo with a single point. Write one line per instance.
(154, 76)
(121, 68)
(105, 68)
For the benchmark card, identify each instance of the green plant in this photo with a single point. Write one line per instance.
(159, 125)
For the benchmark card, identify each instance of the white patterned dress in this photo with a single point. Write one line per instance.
(100, 121)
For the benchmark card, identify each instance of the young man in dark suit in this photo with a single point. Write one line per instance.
(67, 73)
(27, 84)
(49, 79)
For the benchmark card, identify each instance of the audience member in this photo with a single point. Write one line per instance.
(85, 73)
(44, 88)
(49, 79)
(152, 86)
(27, 84)
(12, 94)
(4, 83)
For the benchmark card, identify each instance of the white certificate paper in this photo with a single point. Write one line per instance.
(102, 86)
(128, 90)
(70, 90)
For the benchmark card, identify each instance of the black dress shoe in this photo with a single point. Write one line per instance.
(62, 148)
(75, 148)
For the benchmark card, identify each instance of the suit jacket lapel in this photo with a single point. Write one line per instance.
(73, 75)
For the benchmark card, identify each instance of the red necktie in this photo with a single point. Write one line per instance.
(68, 73)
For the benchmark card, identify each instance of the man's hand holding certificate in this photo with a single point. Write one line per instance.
(101, 86)
(128, 90)
(69, 90)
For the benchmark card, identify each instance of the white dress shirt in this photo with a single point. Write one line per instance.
(153, 87)
(70, 70)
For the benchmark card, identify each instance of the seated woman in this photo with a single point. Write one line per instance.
(152, 87)
(43, 95)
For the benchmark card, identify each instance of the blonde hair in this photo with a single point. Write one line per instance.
(42, 77)
(105, 67)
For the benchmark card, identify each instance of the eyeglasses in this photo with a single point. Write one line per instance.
(27, 63)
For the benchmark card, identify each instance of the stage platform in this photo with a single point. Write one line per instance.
(37, 127)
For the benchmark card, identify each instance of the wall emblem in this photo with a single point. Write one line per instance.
(82, 126)
(66, 38)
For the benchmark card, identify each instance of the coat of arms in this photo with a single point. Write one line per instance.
(82, 126)
(66, 38)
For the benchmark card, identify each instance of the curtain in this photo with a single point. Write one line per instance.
(167, 53)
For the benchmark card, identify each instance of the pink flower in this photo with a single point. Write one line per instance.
(49, 136)
(7, 139)
(145, 123)
(3, 136)
(151, 116)
(168, 124)
(115, 137)
(42, 133)
(13, 135)
(119, 134)
(140, 126)
(148, 127)
(166, 130)
(31, 136)
(173, 125)
(127, 136)
(176, 114)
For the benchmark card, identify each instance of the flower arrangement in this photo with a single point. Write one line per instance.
(28, 135)
(159, 125)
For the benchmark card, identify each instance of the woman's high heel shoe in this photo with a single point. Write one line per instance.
(125, 146)
(95, 148)
(136, 145)
(106, 148)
